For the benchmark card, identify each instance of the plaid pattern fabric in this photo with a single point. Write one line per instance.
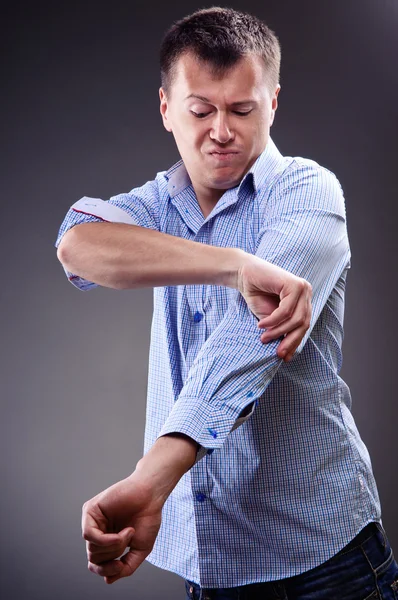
(282, 489)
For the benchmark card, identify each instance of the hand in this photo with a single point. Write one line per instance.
(127, 514)
(280, 300)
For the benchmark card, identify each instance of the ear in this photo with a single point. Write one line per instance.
(164, 109)
(274, 103)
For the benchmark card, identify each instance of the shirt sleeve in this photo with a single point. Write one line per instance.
(304, 232)
(138, 207)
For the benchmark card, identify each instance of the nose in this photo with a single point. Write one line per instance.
(221, 131)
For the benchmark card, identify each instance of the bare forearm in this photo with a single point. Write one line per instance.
(165, 463)
(127, 256)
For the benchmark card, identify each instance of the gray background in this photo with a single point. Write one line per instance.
(80, 117)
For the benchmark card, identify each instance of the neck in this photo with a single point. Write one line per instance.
(207, 198)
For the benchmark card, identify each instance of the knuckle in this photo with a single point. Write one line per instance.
(99, 571)
(287, 312)
(296, 341)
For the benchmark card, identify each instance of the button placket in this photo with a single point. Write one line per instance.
(198, 316)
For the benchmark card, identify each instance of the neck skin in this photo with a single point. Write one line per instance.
(207, 198)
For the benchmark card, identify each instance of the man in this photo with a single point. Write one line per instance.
(254, 482)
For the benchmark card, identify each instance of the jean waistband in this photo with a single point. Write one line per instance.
(368, 531)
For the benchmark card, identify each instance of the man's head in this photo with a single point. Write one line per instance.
(220, 82)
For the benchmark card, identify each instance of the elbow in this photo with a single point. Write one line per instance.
(61, 253)
(75, 252)
(64, 250)
(67, 248)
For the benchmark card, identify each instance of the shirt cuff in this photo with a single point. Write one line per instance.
(79, 282)
(102, 209)
(208, 425)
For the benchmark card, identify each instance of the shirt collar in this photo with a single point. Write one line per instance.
(262, 169)
(177, 178)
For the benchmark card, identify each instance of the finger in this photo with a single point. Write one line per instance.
(111, 579)
(108, 569)
(288, 326)
(298, 320)
(285, 310)
(125, 537)
(292, 340)
(95, 549)
(300, 315)
(116, 569)
(131, 561)
(290, 297)
(287, 352)
(295, 332)
(98, 557)
(95, 525)
(93, 533)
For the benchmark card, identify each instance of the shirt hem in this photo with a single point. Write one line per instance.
(161, 565)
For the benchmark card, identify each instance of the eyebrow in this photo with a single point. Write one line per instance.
(203, 99)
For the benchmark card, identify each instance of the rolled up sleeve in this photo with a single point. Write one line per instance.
(138, 207)
(304, 232)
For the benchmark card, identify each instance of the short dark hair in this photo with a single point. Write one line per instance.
(220, 37)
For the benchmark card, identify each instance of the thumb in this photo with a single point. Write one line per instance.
(126, 534)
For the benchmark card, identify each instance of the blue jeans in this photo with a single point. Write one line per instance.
(365, 569)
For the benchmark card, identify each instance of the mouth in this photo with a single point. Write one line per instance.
(223, 155)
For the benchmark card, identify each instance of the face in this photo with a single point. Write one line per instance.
(220, 124)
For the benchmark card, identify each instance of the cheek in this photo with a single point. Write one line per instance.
(190, 133)
(259, 132)
(196, 138)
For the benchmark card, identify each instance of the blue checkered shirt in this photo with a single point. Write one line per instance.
(283, 488)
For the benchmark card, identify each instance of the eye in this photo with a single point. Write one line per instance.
(199, 115)
(240, 113)
(243, 113)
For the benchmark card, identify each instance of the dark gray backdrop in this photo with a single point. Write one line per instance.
(80, 110)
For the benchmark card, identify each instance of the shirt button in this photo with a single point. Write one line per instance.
(200, 497)
(197, 317)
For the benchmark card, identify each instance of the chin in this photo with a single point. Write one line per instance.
(222, 184)
(225, 182)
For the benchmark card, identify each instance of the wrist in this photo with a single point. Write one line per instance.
(165, 463)
(230, 268)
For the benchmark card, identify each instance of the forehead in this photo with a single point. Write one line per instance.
(244, 79)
